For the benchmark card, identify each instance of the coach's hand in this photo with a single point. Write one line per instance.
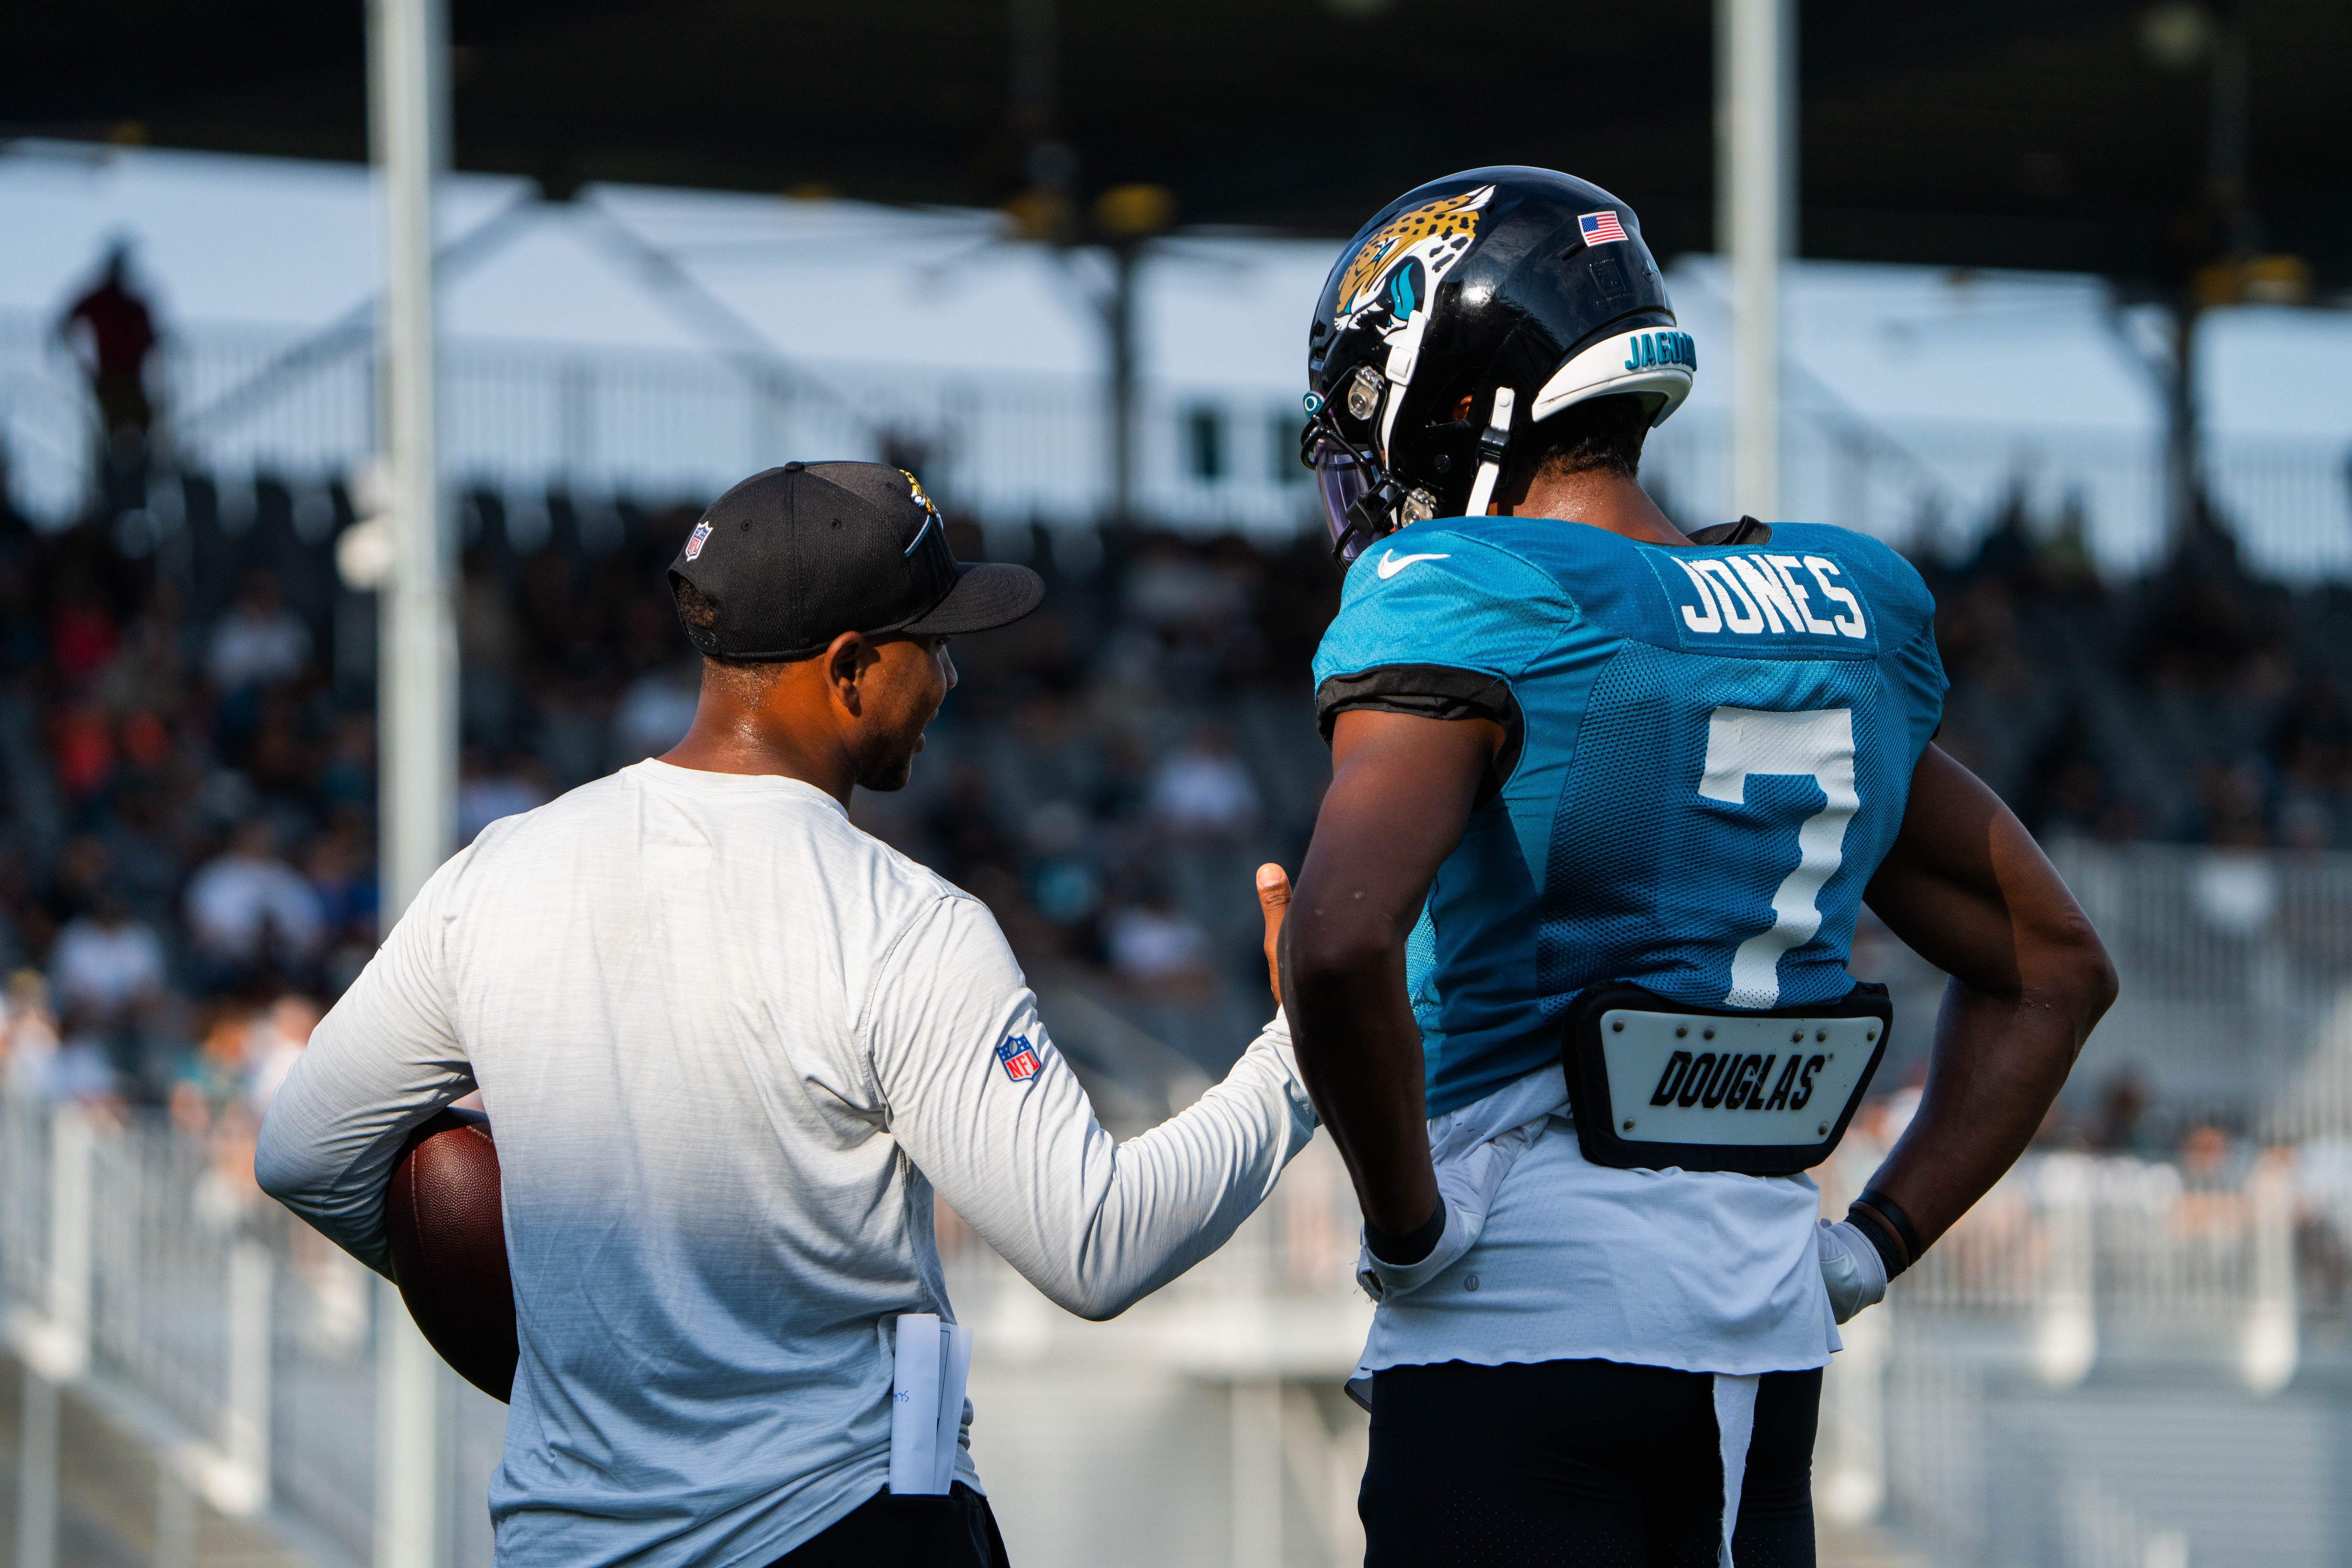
(1274, 900)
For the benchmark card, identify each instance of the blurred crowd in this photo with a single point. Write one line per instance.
(2198, 704)
(188, 768)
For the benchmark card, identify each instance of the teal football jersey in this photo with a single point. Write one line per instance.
(1710, 749)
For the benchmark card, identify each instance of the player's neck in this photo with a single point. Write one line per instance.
(1598, 499)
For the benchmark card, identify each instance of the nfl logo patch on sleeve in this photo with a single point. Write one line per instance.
(1020, 1062)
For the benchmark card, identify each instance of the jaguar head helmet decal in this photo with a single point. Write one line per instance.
(1396, 269)
(1391, 280)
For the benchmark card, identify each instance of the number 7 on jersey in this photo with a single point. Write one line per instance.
(1744, 741)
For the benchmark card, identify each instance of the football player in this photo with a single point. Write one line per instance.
(1567, 959)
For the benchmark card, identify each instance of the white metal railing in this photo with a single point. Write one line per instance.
(2236, 971)
(1971, 1500)
(2073, 1262)
(143, 1265)
(1936, 1451)
(2128, 1233)
(2153, 1274)
(2070, 1248)
(2098, 1529)
(1018, 447)
(522, 417)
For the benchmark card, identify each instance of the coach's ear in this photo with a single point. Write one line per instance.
(1274, 902)
(846, 661)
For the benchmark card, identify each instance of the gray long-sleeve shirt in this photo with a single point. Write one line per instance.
(731, 1045)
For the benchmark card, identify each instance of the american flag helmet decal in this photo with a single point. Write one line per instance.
(1600, 227)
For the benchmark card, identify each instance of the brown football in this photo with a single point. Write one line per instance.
(449, 1247)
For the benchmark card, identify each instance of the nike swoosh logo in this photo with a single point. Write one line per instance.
(1390, 563)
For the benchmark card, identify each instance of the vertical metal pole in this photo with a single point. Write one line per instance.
(1256, 1483)
(58, 1349)
(72, 1152)
(175, 1519)
(1033, 72)
(2230, 209)
(1118, 320)
(2269, 1344)
(407, 1438)
(416, 710)
(1756, 226)
(60, 1345)
(579, 423)
(37, 1473)
(245, 1435)
(2065, 1317)
(2181, 444)
(1850, 1459)
(416, 702)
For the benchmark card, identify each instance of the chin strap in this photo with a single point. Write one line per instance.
(1496, 436)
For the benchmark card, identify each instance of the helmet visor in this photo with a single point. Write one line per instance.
(1341, 482)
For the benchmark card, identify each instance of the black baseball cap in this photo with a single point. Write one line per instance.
(795, 556)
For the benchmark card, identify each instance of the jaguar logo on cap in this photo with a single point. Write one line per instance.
(931, 512)
(915, 486)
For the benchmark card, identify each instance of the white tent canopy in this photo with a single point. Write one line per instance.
(668, 340)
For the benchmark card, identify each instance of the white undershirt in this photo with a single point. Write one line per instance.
(1698, 1271)
(729, 1045)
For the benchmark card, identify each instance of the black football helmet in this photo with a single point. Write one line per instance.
(1466, 311)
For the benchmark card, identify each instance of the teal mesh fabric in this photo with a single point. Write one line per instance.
(1613, 850)
(1650, 881)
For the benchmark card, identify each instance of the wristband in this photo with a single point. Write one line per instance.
(1893, 1226)
(1895, 1217)
(1864, 1222)
(1404, 1251)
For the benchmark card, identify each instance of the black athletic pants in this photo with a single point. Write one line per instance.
(884, 1531)
(1580, 1464)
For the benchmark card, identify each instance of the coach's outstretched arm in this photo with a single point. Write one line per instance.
(1969, 890)
(1011, 1141)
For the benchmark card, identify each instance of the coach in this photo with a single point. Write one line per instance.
(731, 1046)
